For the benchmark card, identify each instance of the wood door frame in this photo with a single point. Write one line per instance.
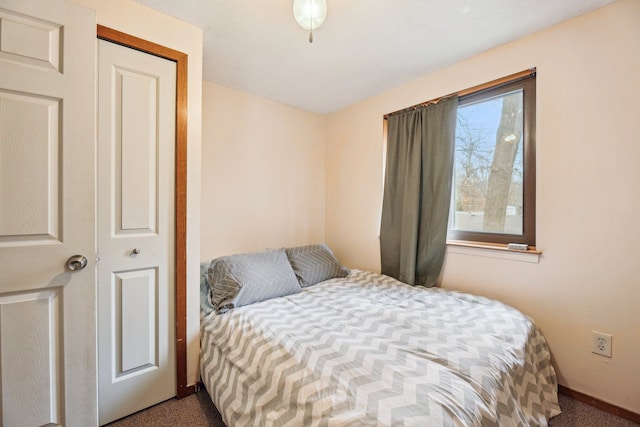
(181, 60)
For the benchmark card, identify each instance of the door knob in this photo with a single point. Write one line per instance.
(76, 263)
(135, 251)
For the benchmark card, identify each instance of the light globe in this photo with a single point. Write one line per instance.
(310, 14)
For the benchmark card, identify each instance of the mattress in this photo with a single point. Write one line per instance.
(369, 350)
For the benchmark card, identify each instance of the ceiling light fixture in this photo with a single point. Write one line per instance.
(310, 14)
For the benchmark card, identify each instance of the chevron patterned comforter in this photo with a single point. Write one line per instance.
(368, 350)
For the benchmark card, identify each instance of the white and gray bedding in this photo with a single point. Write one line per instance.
(368, 350)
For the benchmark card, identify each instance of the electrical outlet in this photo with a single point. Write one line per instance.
(601, 344)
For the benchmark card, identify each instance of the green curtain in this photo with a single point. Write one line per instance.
(417, 192)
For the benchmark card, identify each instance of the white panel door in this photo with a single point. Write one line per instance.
(47, 214)
(136, 227)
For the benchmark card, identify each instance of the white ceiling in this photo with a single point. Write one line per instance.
(363, 48)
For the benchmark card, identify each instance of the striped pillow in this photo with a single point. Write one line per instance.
(314, 264)
(205, 304)
(244, 279)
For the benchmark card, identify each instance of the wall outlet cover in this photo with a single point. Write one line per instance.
(601, 344)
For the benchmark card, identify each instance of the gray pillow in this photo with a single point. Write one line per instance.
(243, 279)
(314, 264)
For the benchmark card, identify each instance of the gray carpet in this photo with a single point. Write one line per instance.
(197, 410)
(578, 414)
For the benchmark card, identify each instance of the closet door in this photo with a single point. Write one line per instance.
(47, 214)
(136, 230)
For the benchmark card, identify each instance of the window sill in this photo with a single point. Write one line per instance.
(493, 250)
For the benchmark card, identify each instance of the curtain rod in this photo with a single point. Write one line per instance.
(508, 79)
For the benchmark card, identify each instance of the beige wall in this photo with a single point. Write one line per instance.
(588, 201)
(131, 18)
(262, 174)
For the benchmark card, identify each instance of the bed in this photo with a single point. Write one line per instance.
(361, 348)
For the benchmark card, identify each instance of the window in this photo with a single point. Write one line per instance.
(493, 192)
